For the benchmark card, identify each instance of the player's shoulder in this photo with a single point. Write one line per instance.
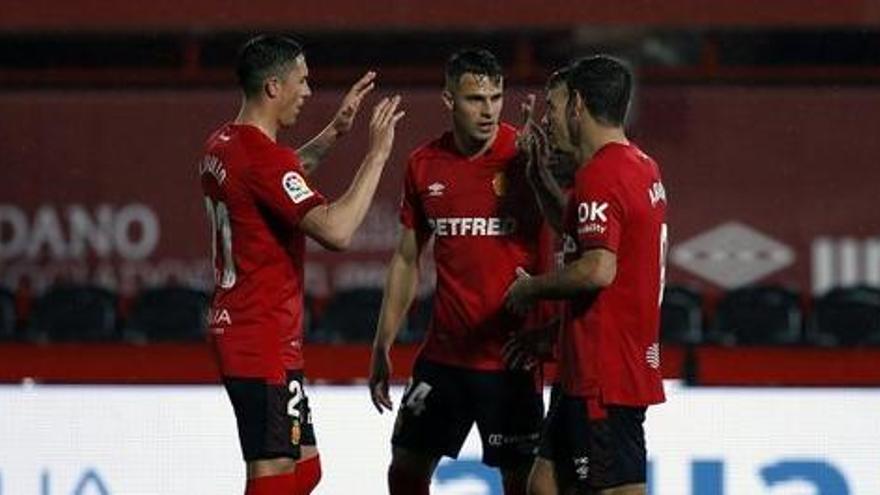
(255, 143)
(437, 148)
(234, 139)
(505, 141)
(432, 148)
(261, 152)
(620, 159)
(507, 133)
(220, 139)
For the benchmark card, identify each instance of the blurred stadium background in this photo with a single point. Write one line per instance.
(765, 119)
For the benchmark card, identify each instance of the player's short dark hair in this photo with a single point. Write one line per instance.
(559, 76)
(262, 57)
(605, 84)
(474, 61)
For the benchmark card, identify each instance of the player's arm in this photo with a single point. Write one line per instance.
(533, 142)
(333, 225)
(550, 198)
(311, 153)
(594, 270)
(549, 195)
(400, 289)
(527, 349)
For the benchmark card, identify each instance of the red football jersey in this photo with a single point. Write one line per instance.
(609, 345)
(485, 223)
(255, 194)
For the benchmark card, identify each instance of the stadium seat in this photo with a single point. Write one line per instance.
(74, 314)
(350, 316)
(7, 315)
(766, 315)
(166, 314)
(309, 316)
(847, 317)
(681, 316)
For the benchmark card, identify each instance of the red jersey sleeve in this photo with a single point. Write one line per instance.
(600, 209)
(279, 184)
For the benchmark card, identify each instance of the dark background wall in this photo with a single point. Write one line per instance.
(798, 164)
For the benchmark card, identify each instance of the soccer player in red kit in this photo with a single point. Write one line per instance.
(466, 189)
(550, 169)
(261, 207)
(593, 439)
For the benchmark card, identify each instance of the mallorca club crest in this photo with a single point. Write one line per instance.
(295, 432)
(499, 184)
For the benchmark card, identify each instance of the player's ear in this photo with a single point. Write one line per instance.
(448, 99)
(579, 105)
(272, 87)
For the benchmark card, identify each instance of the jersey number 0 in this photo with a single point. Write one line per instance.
(218, 215)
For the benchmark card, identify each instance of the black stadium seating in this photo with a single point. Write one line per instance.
(351, 316)
(74, 314)
(8, 315)
(766, 315)
(681, 316)
(416, 324)
(761, 315)
(847, 317)
(167, 314)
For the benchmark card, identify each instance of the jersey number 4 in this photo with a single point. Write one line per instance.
(218, 215)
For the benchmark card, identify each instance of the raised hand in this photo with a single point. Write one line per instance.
(538, 151)
(523, 136)
(382, 125)
(351, 102)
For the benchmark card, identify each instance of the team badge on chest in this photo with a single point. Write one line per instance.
(499, 184)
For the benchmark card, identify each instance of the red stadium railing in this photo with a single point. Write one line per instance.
(194, 364)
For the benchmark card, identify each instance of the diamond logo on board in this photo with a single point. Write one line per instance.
(732, 255)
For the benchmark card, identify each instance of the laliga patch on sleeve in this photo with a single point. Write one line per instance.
(295, 187)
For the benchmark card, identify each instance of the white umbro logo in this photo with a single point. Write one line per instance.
(436, 189)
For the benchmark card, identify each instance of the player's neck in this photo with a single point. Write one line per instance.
(598, 137)
(259, 117)
(470, 147)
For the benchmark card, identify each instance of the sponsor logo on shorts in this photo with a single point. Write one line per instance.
(295, 432)
(582, 467)
(296, 187)
(499, 439)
